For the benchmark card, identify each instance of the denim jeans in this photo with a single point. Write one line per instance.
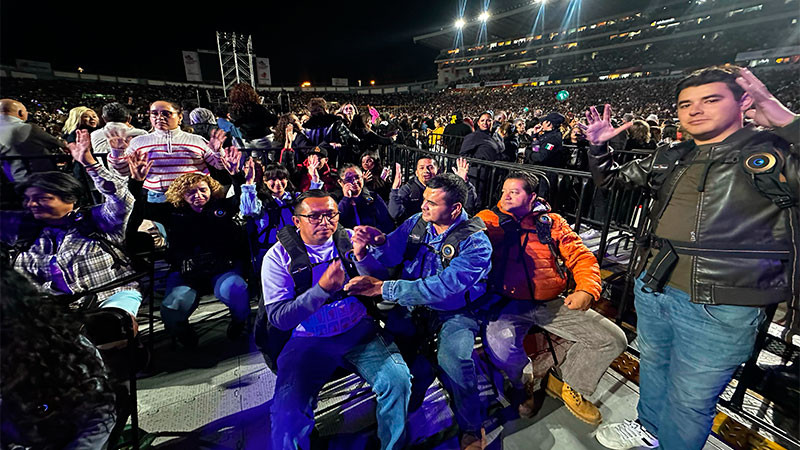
(181, 299)
(456, 368)
(688, 353)
(307, 363)
(598, 341)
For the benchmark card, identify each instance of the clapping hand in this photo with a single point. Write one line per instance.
(766, 110)
(398, 176)
(139, 164)
(290, 135)
(216, 139)
(81, 149)
(313, 164)
(332, 279)
(230, 158)
(462, 168)
(250, 171)
(599, 129)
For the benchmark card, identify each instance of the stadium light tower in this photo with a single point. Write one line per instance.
(235, 59)
(460, 23)
(484, 16)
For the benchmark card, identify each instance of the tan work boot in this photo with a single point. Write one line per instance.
(576, 404)
(472, 442)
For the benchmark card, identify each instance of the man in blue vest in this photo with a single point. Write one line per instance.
(445, 260)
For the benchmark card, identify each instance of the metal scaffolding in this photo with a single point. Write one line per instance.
(235, 59)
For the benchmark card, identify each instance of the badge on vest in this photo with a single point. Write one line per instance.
(448, 251)
(549, 146)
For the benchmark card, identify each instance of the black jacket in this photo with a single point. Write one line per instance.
(454, 135)
(406, 201)
(547, 150)
(745, 248)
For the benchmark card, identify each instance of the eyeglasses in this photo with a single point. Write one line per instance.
(163, 113)
(316, 219)
(351, 180)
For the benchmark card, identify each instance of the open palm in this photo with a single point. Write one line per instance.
(599, 129)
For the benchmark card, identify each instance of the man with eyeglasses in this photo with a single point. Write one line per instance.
(329, 328)
(172, 151)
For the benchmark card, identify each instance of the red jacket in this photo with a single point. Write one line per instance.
(547, 283)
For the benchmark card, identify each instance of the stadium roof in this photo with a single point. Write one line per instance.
(513, 18)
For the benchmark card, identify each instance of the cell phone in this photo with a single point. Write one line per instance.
(385, 173)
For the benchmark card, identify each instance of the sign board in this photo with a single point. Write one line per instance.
(339, 81)
(191, 64)
(34, 66)
(263, 73)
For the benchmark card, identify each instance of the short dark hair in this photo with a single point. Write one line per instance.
(420, 158)
(670, 131)
(173, 105)
(311, 193)
(115, 112)
(346, 166)
(454, 187)
(715, 74)
(276, 171)
(63, 186)
(531, 182)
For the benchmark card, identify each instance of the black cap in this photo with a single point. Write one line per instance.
(555, 118)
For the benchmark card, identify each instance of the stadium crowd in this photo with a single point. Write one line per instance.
(300, 204)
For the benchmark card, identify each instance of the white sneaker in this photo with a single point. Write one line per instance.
(624, 435)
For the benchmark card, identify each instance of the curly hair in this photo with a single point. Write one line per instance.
(241, 97)
(183, 183)
(52, 380)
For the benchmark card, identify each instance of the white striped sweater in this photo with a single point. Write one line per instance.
(173, 153)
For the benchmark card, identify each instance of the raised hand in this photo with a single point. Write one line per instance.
(250, 171)
(332, 279)
(313, 164)
(139, 164)
(364, 285)
(364, 235)
(290, 135)
(398, 176)
(367, 176)
(117, 138)
(81, 149)
(462, 168)
(767, 111)
(230, 158)
(216, 139)
(599, 129)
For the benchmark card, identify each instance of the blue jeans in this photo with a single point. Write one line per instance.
(307, 363)
(181, 299)
(688, 355)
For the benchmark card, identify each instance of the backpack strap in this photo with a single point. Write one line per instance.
(415, 239)
(465, 229)
(299, 263)
(765, 171)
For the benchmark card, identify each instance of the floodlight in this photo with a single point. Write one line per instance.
(484, 16)
(460, 23)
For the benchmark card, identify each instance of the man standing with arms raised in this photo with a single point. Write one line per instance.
(716, 251)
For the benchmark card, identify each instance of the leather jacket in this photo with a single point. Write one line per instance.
(745, 248)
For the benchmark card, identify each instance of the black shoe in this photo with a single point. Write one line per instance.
(235, 329)
(185, 334)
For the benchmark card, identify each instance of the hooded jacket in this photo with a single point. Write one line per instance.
(541, 265)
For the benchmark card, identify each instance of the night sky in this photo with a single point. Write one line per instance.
(352, 39)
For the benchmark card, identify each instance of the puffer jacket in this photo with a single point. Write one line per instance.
(541, 265)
